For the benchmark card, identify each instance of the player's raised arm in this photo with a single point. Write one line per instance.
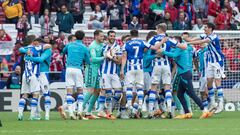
(201, 42)
(191, 39)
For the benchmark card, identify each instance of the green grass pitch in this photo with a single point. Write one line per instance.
(226, 123)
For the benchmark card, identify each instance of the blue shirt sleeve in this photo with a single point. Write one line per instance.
(171, 42)
(23, 49)
(152, 41)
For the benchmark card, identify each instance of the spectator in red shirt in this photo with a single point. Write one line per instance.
(223, 19)
(4, 36)
(56, 60)
(61, 41)
(228, 6)
(33, 9)
(188, 8)
(172, 10)
(213, 10)
(145, 6)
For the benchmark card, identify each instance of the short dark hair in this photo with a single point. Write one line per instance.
(97, 32)
(178, 38)
(40, 40)
(185, 33)
(110, 31)
(134, 33)
(124, 37)
(28, 40)
(150, 34)
(70, 37)
(79, 35)
(211, 25)
(64, 4)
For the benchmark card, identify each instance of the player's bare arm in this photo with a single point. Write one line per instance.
(202, 42)
(124, 59)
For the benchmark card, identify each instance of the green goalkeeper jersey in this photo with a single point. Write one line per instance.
(92, 71)
(96, 53)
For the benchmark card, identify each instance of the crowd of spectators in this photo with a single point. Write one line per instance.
(119, 14)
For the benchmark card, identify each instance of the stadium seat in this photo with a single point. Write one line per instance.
(79, 26)
(125, 26)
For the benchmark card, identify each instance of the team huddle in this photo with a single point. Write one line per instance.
(153, 76)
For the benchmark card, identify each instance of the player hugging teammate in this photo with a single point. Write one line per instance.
(152, 77)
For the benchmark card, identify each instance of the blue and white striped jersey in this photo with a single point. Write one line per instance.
(108, 66)
(202, 55)
(30, 66)
(135, 50)
(214, 48)
(162, 60)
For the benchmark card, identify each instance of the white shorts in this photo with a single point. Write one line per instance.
(202, 84)
(74, 78)
(32, 86)
(44, 84)
(161, 73)
(147, 81)
(134, 78)
(214, 70)
(110, 81)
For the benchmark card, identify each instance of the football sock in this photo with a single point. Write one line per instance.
(92, 101)
(168, 98)
(129, 95)
(80, 102)
(47, 103)
(70, 101)
(86, 98)
(101, 101)
(220, 94)
(109, 96)
(33, 106)
(151, 100)
(21, 105)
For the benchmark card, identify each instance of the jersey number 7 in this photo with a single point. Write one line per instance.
(136, 48)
